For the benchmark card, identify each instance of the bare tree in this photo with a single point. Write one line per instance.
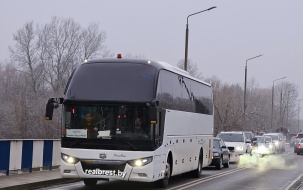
(41, 61)
(26, 54)
(135, 56)
(192, 68)
(66, 45)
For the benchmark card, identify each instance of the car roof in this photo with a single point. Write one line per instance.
(266, 136)
(237, 132)
(271, 134)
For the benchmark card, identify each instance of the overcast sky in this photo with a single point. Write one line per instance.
(220, 40)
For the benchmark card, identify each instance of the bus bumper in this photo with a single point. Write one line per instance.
(127, 173)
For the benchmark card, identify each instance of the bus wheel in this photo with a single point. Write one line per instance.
(164, 182)
(198, 172)
(90, 182)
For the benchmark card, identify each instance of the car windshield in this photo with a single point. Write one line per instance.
(300, 135)
(268, 139)
(216, 144)
(260, 139)
(274, 137)
(231, 137)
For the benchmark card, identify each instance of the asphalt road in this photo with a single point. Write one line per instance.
(270, 172)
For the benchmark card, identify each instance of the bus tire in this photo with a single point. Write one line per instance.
(90, 182)
(197, 173)
(162, 183)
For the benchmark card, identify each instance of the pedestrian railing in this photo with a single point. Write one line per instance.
(18, 154)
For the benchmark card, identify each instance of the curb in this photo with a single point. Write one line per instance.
(41, 184)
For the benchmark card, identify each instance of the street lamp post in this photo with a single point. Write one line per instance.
(299, 115)
(245, 89)
(287, 102)
(272, 100)
(186, 37)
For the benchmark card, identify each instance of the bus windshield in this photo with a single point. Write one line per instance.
(122, 127)
(124, 82)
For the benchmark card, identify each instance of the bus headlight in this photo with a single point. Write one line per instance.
(69, 159)
(140, 162)
(239, 148)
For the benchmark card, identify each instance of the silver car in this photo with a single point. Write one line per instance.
(260, 145)
(278, 139)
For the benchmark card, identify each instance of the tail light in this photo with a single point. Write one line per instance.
(299, 146)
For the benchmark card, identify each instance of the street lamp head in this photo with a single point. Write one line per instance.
(279, 79)
(212, 8)
(186, 36)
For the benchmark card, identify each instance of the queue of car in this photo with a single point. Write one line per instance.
(228, 146)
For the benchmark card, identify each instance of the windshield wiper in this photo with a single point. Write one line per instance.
(135, 148)
(77, 142)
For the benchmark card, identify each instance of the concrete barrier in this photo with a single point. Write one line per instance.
(18, 154)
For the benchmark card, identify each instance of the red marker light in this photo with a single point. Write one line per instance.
(299, 146)
(119, 55)
(119, 116)
(122, 106)
(64, 131)
(124, 116)
(73, 110)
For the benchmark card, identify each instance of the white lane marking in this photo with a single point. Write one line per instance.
(293, 182)
(195, 182)
(65, 186)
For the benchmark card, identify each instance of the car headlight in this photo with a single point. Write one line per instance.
(69, 159)
(239, 148)
(270, 146)
(277, 143)
(140, 162)
(216, 154)
(261, 149)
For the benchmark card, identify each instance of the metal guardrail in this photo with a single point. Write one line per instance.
(17, 154)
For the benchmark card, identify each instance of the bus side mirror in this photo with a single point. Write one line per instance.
(51, 104)
(49, 109)
(153, 115)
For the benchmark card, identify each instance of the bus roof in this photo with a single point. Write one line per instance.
(157, 64)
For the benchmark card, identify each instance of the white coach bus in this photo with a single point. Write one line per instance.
(134, 120)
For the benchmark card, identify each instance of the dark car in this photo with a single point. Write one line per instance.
(298, 138)
(299, 147)
(220, 154)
